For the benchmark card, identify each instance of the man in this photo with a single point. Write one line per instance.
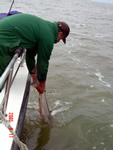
(37, 36)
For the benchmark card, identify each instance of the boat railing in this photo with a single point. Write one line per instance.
(8, 77)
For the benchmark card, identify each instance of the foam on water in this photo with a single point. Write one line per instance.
(60, 106)
(100, 77)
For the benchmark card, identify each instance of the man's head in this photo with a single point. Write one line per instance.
(63, 31)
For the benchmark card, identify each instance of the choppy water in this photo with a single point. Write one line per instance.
(80, 78)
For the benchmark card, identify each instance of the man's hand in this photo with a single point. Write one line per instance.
(40, 87)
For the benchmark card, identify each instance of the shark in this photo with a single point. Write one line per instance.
(45, 113)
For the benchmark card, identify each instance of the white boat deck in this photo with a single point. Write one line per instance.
(14, 106)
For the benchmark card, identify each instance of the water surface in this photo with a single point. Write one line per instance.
(80, 78)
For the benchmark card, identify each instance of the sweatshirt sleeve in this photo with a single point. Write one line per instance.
(30, 59)
(44, 52)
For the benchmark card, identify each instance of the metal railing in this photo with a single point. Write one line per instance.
(7, 77)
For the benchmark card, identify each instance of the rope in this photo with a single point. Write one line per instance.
(15, 137)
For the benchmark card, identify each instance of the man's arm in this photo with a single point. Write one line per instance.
(44, 52)
(30, 59)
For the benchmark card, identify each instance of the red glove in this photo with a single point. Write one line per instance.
(40, 87)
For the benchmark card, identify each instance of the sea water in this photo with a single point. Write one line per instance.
(80, 78)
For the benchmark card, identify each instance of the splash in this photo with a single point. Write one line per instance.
(98, 74)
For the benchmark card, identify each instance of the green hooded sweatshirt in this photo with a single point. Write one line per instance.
(30, 32)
